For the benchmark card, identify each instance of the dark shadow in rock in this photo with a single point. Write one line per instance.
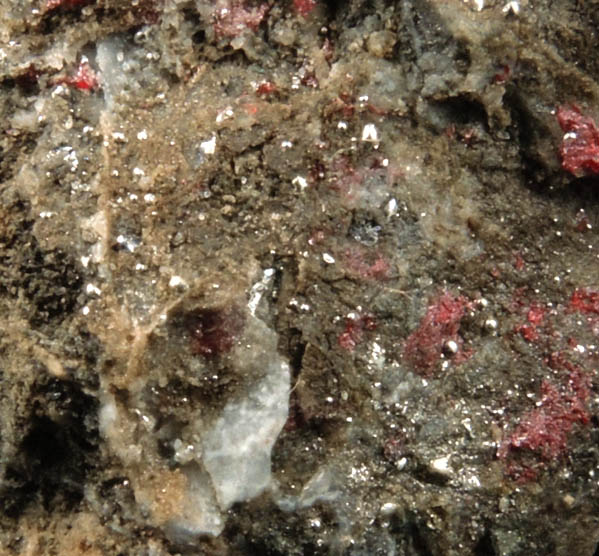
(534, 139)
(408, 534)
(485, 546)
(61, 13)
(56, 454)
(419, 542)
(460, 110)
(583, 192)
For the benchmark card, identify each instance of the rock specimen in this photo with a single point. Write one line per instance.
(299, 277)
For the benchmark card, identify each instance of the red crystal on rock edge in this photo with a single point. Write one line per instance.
(266, 88)
(580, 145)
(85, 79)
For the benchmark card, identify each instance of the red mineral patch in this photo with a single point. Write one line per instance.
(580, 145)
(370, 265)
(85, 79)
(213, 331)
(233, 20)
(266, 88)
(546, 428)
(440, 325)
(354, 331)
(304, 7)
(585, 301)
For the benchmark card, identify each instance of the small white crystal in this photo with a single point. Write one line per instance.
(491, 324)
(513, 7)
(92, 289)
(209, 147)
(451, 346)
(177, 281)
(391, 207)
(224, 114)
(441, 465)
(301, 181)
(370, 134)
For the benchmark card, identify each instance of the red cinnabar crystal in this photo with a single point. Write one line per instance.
(441, 324)
(580, 145)
(585, 301)
(85, 79)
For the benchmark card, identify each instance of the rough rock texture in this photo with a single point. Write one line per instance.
(299, 277)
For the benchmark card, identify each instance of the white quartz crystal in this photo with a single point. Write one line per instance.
(237, 449)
